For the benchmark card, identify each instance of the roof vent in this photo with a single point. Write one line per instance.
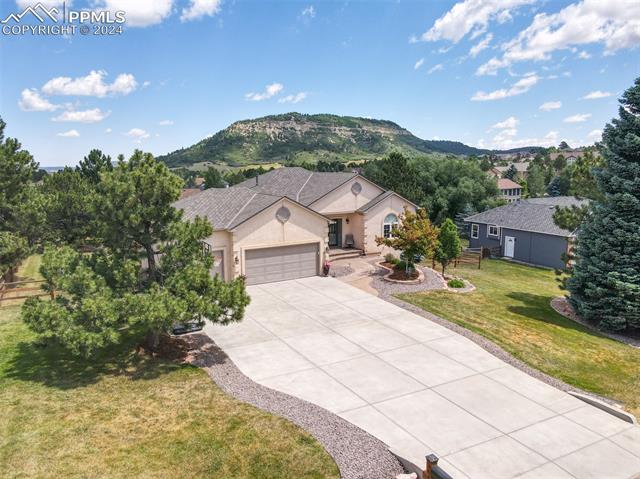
(356, 188)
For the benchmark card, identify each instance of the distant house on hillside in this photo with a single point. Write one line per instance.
(524, 231)
(521, 168)
(570, 155)
(510, 191)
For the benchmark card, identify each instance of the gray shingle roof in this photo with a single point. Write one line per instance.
(533, 214)
(225, 208)
(301, 185)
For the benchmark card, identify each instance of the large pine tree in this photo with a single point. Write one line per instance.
(605, 286)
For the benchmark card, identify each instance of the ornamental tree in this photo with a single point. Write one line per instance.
(415, 237)
(449, 246)
(605, 285)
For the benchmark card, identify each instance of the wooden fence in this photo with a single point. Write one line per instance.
(23, 289)
(475, 256)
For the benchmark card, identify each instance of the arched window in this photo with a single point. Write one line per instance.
(390, 222)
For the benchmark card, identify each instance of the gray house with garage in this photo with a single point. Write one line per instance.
(524, 231)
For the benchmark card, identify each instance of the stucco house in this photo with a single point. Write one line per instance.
(510, 191)
(285, 223)
(524, 231)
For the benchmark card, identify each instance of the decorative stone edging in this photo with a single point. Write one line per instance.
(562, 307)
(358, 454)
(387, 277)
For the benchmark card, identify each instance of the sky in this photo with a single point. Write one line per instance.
(492, 73)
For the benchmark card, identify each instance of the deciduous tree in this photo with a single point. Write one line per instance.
(449, 246)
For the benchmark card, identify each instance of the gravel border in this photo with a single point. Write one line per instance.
(387, 293)
(562, 307)
(358, 454)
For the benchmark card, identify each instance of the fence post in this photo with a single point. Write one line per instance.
(432, 461)
(53, 294)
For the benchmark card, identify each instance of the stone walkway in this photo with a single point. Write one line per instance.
(420, 387)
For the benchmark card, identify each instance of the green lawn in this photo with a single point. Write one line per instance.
(511, 307)
(127, 415)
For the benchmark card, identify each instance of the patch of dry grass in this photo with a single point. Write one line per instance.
(511, 307)
(125, 415)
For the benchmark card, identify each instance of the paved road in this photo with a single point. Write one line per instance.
(420, 387)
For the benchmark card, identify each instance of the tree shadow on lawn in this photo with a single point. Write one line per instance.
(54, 366)
(538, 307)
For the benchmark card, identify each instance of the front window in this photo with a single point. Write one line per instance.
(390, 222)
(493, 230)
(474, 231)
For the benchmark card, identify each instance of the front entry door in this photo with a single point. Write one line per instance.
(335, 233)
(509, 246)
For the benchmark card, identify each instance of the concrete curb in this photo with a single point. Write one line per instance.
(608, 408)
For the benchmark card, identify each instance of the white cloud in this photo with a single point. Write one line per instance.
(595, 95)
(577, 118)
(521, 86)
(481, 45)
(298, 97)
(91, 85)
(269, 91)
(550, 105)
(146, 83)
(470, 16)
(83, 116)
(435, 68)
(138, 134)
(108, 131)
(22, 4)
(511, 122)
(138, 13)
(309, 12)
(30, 100)
(595, 135)
(418, 64)
(69, 134)
(200, 8)
(165, 123)
(506, 139)
(584, 55)
(614, 24)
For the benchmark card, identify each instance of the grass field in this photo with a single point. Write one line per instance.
(511, 307)
(126, 415)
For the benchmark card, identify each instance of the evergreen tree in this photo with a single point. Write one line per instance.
(605, 285)
(213, 179)
(511, 172)
(395, 172)
(93, 165)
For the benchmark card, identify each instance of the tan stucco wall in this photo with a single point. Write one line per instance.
(222, 241)
(342, 200)
(264, 230)
(374, 219)
(355, 227)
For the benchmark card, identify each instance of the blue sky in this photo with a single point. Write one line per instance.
(473, 71)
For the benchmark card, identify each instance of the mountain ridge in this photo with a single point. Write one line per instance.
(297, 137)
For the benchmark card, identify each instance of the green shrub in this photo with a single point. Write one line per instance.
(401, 266)
(456, 283)
(390, 258)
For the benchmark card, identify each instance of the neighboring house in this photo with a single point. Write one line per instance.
(570, 155)
(510, 191)
(187, 192)
(524, 230)
(521, 168)
(285, 223)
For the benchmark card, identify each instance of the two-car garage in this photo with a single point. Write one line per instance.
(266, 265)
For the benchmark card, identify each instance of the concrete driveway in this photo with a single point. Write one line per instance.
(421, 388)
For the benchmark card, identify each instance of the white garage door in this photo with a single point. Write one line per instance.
(283, 262)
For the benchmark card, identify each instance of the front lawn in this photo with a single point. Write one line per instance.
(511, 307)
(128, 415)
